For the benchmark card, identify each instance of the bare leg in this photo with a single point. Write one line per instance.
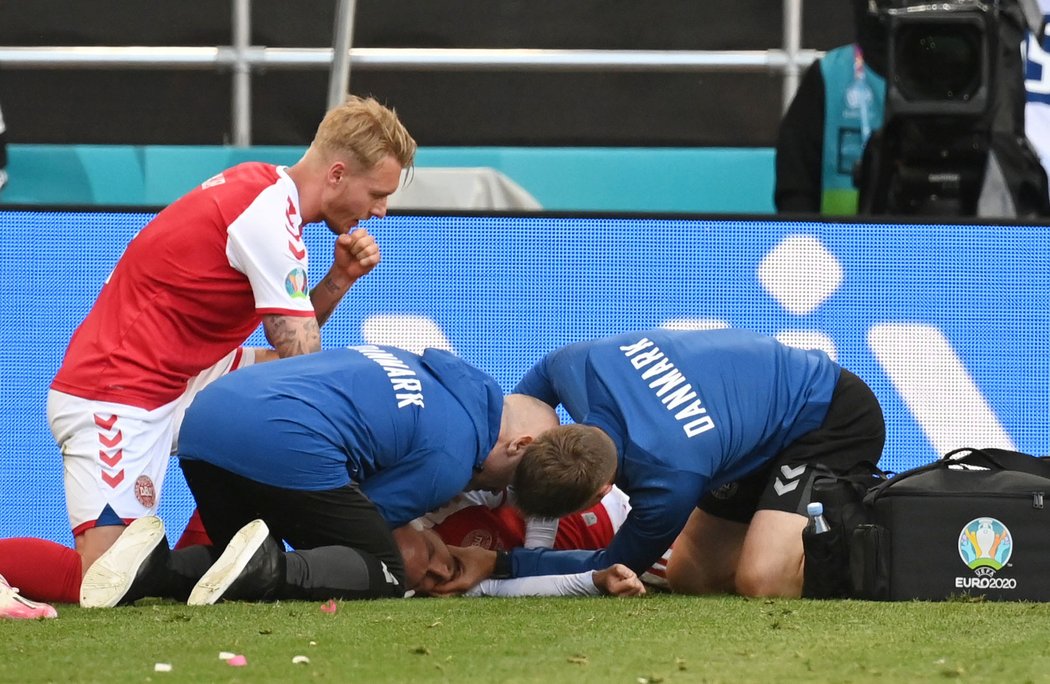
(772, 557)
(705, 555)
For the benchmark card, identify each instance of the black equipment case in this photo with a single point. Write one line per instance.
(971, 524)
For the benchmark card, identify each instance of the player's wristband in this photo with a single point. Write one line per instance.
(503, 568)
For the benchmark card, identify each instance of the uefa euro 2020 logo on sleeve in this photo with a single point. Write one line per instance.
(295, 283)
(985, 545)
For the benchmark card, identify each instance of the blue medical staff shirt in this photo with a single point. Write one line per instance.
(409, 429)
(688, 411)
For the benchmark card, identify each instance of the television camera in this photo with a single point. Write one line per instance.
(951, 81)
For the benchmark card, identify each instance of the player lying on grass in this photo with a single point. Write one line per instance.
(254, 564)
(714, 435)
(431, 547)
(475, 517)
(479, 520)
(255, 567)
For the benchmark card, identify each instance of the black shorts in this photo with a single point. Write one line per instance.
(853, 433)
(305, 520)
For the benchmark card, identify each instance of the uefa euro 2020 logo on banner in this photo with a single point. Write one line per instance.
(985, 545)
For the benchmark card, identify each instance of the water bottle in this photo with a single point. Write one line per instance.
(826, 572)
(817, 523)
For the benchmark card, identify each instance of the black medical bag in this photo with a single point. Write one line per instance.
(972, 524)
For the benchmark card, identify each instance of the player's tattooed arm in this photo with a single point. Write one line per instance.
(356, 254)
(326, 295)
(292, 335)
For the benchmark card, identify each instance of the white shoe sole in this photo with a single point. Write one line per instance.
(109, 578)
(230, 564)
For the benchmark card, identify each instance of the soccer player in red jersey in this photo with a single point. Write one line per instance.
(188, 291)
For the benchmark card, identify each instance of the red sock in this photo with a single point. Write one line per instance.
(194, 534)
(42, 570)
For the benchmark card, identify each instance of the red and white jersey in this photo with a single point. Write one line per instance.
(190, 287)
(488, 520)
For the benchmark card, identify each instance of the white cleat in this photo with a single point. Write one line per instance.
(111, 580)
(252, 557)
(14, 606)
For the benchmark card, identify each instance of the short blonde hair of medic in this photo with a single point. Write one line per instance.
(563, 469)
(365, 131)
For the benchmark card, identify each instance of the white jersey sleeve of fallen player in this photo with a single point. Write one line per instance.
(580, 584)
(473, 497)
(540, 533)
(617, 505)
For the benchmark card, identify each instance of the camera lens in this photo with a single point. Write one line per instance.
(937, 61)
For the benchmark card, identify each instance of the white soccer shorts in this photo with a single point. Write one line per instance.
(117, 455)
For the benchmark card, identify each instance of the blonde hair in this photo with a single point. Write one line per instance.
(366, 131)
(563, 469)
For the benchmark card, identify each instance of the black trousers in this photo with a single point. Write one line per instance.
(305, 520)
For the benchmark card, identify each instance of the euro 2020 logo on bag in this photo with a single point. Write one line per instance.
(985, 545)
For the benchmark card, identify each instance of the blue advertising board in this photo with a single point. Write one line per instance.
(947, 323)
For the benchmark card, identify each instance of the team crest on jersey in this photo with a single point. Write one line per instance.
(145, 492)
(479, 537)
(295, 283)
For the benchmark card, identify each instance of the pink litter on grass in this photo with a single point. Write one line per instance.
(329, 606)
(237, 661)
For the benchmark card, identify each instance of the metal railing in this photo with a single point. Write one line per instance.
(242, 58)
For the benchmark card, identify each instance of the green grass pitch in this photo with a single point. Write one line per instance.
(659, 638)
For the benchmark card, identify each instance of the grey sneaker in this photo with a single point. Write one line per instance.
(129, 569)
(251, 568)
